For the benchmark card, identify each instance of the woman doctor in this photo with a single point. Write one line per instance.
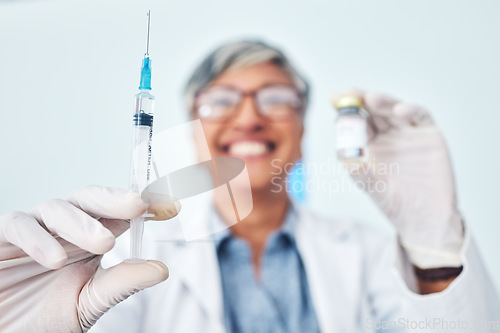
(280, 269)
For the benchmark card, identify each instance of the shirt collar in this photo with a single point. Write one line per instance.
(287, 228)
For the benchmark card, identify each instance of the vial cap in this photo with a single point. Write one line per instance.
(348, 101)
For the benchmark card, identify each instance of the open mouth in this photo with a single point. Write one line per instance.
(249, 148)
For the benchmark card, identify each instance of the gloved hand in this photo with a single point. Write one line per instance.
(50, 277)
(409, 161)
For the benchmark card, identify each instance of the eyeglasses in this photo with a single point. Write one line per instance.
(276, 102)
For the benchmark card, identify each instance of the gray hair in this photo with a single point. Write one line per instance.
(240, 54)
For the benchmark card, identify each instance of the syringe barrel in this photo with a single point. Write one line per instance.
(141, 163)
(141, 144)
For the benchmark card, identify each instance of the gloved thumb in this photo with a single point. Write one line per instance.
(361, 172)
(370, 177)
(111, 286)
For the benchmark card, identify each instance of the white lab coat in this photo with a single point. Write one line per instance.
(358, 278)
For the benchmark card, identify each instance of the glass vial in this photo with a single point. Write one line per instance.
(351, 129)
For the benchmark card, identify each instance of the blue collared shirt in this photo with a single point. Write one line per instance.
(278, 302)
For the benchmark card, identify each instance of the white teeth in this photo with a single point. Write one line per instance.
(247, 148)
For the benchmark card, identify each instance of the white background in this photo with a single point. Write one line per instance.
(69, 70)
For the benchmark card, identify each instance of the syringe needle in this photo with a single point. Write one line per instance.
(147, 43)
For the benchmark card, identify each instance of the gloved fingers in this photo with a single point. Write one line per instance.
(381, 109)
(412, 115)
(23, 231)
(379, 104)
(163, 212)
(163, 207)
(65, 220)
(116, 283)
(360, 171)
(116, 226)
(388, 112)
(111, 203)
(372, 180)
(113, 285)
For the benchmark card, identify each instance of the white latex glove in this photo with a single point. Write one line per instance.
(408, 154)
(50, 277)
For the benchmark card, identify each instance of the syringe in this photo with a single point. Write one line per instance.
(141, 148)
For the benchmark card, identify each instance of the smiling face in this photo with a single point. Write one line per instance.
(267, 146)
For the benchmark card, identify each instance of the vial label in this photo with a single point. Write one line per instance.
(351, 133)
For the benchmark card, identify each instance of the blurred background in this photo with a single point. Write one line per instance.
(69, 70)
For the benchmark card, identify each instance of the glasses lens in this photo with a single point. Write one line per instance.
(217, 103)
(278, 102)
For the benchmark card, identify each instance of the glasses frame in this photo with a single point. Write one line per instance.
(253, 95)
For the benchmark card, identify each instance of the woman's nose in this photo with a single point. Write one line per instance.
(247, 116)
